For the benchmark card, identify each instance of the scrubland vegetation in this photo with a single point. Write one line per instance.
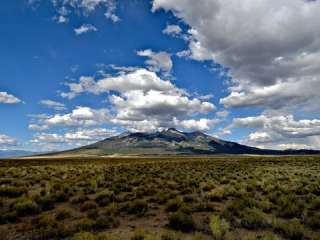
(265, 198)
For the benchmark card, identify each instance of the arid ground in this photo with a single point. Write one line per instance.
(163, 198)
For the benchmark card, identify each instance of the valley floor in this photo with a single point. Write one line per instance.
(194, 198)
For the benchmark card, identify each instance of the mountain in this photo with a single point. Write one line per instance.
(14, 153)
(172, 142)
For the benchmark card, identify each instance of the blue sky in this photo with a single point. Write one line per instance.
(74, 72)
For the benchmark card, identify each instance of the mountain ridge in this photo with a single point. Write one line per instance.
(174, 142)
(15, 153)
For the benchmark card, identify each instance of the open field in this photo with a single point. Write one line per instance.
(161, 198)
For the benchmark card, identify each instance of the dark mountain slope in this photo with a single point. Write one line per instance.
(173, 142)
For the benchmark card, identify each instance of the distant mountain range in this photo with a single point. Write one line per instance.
(172, 142)
(14, 153)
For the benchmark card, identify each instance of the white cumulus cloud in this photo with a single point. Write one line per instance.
(81, 116)
(158, 61)
(272, 47)
(139, 79)
(139, 104)
(85, 28)
(278, 131)
(202, 124)
(53, 104)
(140, 99)
(79, 136)
(8, 98)
(172, 30)
(6, 140)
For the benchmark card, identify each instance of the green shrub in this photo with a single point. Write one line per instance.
(138, 207)
(233, 210)
(107, 236)
(92, 213)
(253, 219)
(168, 236)
(45, 221)
(138, 235)
(189, 198)
(11, 192)
(292, 230)
(198, 236)
(104, 198)
(79, 199)
(43, 192)
(8, 217)
(160, 198)
(265, 205)
(88, 205)
(84, 236)
(63, 214)
(270, 237)
(50, 228)
(185, 208)
(219, 227)
(289, 208)
(103, 223)
(204, 206)
(315, 204)
(173, 205)
(249, 237)
(61, 196)
(45, 202)
(216, 194)
(181, 221)
(25, 206)
(313, 221)
(112, 209)
(207, 186)
(85, 224)
(8, 181)
(248, 201)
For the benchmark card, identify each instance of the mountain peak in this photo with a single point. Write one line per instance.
(172, 130)
(172, 142)
(124, 134)
(198, 133)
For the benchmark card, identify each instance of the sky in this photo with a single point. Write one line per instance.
(75, 72)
